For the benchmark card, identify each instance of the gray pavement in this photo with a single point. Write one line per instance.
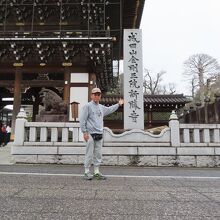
(5, 154)
(60, 192)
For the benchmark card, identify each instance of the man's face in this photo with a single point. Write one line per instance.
(96, 97)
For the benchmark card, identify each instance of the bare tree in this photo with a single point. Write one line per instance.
(198, 68)
(172, 88)
(193, 85)
(167, 89)
(153, 84)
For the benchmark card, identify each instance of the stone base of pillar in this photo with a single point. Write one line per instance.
(51, 118)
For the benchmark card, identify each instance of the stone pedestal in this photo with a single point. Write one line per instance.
(51, 118)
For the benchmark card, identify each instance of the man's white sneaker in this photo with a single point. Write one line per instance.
(88, 176)
(99, 176)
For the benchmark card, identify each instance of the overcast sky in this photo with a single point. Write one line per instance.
(173, 30)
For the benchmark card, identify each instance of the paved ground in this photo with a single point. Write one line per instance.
(59, 192)
(5, 154)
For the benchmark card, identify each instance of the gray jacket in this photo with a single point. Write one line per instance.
(91, 117)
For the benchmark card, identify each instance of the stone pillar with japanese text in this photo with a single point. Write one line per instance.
(133, 80)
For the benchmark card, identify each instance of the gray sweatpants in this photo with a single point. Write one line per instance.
(93, 152)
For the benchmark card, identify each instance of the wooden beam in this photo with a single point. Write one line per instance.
(33, 83)
(34, 69)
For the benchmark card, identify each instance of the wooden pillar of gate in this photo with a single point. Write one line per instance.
(66, 88)
(17, 96)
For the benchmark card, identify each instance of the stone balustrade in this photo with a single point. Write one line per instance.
(200, 134)
(195, 145)
(52, 132)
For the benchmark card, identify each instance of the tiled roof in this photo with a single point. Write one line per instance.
(174, 99)
(149, 99)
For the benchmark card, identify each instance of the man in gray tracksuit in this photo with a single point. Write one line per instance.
(91, 123)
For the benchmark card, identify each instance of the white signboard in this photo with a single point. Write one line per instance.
(133, 80)
(79, 78)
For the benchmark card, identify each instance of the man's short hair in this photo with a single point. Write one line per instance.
(96, 90)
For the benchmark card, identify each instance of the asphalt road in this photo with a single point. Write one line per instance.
(60, 192)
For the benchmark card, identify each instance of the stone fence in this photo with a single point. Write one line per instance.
(209, 113)
(193, 145)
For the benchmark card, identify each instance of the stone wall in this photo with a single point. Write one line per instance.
(123, 160)
(183, 145)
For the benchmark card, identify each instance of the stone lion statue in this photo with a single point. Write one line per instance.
(53, 103)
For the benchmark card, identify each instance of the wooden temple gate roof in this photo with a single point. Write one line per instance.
(59, 33)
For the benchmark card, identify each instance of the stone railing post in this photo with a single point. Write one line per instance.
(198, 118)
(175, 130)
(207, 100)
(191, 119)
(19, 128)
